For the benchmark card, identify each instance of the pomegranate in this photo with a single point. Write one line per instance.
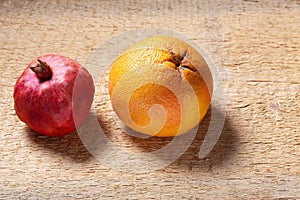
(53, 95)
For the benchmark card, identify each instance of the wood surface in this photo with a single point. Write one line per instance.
(256, 48)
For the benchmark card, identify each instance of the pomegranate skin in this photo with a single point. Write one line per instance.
(54, 107)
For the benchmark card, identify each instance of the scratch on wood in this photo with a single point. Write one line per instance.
(242, 106)
(258, 81)
(271, 81)
(254, 1)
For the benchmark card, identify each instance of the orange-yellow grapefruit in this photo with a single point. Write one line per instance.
(160, 86)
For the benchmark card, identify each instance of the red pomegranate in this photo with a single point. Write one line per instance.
(53, 95)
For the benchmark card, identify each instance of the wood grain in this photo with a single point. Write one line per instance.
(254, 44)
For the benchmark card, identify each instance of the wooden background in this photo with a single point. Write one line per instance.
(255, 45)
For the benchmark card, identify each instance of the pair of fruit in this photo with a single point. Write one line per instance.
(158, 70)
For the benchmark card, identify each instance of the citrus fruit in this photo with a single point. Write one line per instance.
(160, 86)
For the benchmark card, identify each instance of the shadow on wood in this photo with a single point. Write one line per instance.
(224, 149)
(69, 146)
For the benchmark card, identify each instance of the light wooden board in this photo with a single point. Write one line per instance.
(254, 44)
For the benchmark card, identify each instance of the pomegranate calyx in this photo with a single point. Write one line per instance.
(42, 70)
